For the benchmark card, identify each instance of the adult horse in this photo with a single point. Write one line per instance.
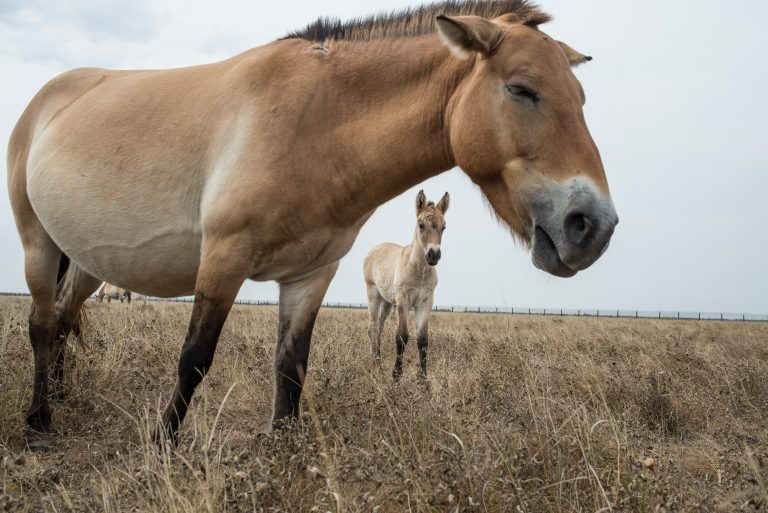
(266, 165)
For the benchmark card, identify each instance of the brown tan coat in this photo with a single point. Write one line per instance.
(266, 165)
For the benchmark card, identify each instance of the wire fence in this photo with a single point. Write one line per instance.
(551, 312)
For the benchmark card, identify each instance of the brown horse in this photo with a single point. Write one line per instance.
(405, 276)
(266, 165)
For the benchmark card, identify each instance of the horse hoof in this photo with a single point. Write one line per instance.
(39, 445)
(39, 421)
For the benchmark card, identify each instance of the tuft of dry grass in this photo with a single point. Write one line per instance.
(519, 414)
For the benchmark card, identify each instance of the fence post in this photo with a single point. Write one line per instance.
(637, 314)
(678, 316)
(699, 315)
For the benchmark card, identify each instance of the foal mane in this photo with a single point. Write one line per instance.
(415, 21)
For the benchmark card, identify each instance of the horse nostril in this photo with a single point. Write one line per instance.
(579, 228)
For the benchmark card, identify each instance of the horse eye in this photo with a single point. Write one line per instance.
(524, 93)
(421, 226)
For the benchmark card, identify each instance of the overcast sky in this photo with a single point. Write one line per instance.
(676, 101)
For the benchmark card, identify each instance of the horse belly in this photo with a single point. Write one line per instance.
(136, 236)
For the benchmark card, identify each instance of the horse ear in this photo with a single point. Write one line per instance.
(574, 58)
(466, 34)
(421, 201)
(443, 205)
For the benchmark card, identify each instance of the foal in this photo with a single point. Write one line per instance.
(405, 276)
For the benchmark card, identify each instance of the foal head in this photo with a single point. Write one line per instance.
(431, 224)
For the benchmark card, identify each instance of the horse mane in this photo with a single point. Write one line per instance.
(416, 21)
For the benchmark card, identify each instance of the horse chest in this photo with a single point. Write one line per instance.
(417, 289)
(303, 254)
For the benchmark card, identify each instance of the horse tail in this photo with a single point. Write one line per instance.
(80, 321)
(63, 266)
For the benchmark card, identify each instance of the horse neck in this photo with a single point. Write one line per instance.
(388, 126)
(416, 258)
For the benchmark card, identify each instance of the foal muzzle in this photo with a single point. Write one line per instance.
(433, 256)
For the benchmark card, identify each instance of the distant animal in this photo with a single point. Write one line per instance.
(111, 292)
(405, 277)
(265, 166)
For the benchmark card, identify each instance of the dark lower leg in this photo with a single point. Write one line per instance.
(41, 337)
(291, 367)
(208, 318)
(401, 339)
(423, 343)
(74, 287)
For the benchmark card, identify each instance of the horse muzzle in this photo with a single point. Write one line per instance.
(433, 256)
(572, 226)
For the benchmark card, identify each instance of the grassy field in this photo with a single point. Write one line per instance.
(521, 414)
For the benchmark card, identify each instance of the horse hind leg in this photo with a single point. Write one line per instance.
(384, 309)
(375, 302)
(73, 289)
(41, 264)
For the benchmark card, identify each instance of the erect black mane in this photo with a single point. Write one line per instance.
(415, 21)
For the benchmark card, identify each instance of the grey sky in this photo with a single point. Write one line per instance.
(676, 101)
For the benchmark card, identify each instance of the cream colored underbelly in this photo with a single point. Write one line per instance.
(144, 240)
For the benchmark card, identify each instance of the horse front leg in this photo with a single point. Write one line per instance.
(222, 271)
(401, 337)
(422, 339)
(299, 303)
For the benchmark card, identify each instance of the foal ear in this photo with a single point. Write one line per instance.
(421, 201)
(466, 34)
(574, 58)
(443, 205)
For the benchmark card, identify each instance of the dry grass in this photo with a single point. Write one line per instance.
(522, 414)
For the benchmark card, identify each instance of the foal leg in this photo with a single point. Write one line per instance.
(219, 277)
(75, 287)
(422, 325)
(299, 303)
(384, 310)
(401, 338)
(374, 309)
